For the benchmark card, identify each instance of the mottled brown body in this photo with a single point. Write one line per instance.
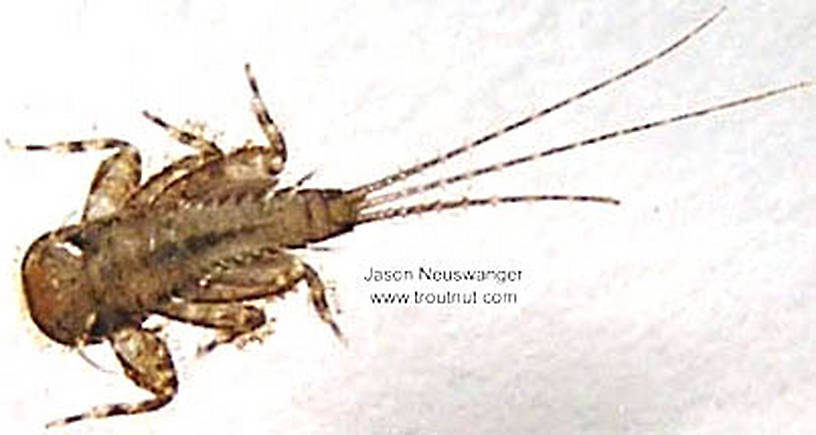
(137, 259)
(211, 231)
(192, 243)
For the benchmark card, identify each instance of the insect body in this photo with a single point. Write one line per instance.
(211, 232)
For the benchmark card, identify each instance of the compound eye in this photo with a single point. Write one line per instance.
(70, 248)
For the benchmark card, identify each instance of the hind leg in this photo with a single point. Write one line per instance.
(270, 130)
(191, 177)
(317, 295)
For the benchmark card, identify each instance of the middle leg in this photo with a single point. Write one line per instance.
(193, 139)
(258, 275)
(150, 191)
(232, 320)
(189, 177)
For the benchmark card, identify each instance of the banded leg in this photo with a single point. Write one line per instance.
(260, 275)
(270, 130)
(270, 273)
(146, 361)
(157, 184)
(194, 139)
(194, 176)
(317, 295)
(232, 320)
(254, 165)
(117, 177)
(188, 178)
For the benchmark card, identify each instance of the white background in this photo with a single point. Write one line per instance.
(688, 309)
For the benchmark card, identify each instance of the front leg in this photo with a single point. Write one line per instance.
(146, 361)
(116, 178)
